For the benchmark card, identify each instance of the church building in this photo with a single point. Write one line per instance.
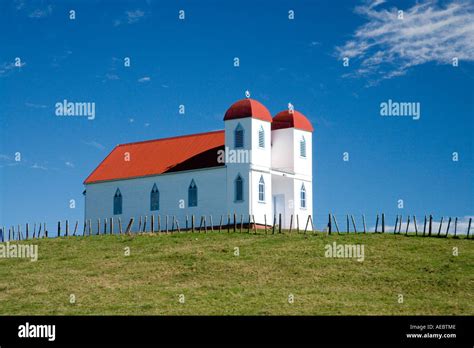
(257, 165)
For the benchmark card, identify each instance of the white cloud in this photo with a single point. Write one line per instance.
(35, 106)
(144, 79)
(94, 144)
(69, 164)
(6, 67)
(386, 46)
(131, 17)
(134, 16)
(37, 166)
(41, 13)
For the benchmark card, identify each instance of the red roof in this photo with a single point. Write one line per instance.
(286, 119)
(248, 108)
(160, 156)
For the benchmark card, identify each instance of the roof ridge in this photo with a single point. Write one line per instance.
(174, 137)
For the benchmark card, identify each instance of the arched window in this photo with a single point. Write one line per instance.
(261, 189)
(192, 194)
(303, 147)
(154, 198)
(261, 137)
(303, 197)
(117, 203)
(239, 189)
(239, 136)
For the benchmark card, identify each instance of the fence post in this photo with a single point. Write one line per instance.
(166, 223)
(400, 225)
(254, 224)
(416, 227)
(27, 230)
(111, 225)
(376, 223)
(447, 229)
(297, 223)
(329, 223)
(274, 223)
(430, 226)
(45, 230)
(383, 222)
(424, 227)
(192, 223)
(291, 223)
(347, 223)
(159, 223)
(120, 225)
(75, 228)
(455, 226)
(279, 222)
(396, 225)
(39, 230)
(241, 222)
(228, 223)
(220, 224)
(353, 223)
(335, 223)
(408, 224)
(235, 223)
(469, 227)
(363, 222)
(67, 228)
(105, 226)
(59, 228)
(440, 224)
(129, 226)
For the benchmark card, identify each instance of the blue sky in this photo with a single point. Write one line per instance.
(190, 62)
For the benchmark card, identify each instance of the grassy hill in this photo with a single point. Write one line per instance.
(259, 281)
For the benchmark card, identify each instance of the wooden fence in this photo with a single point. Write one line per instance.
(229, 223)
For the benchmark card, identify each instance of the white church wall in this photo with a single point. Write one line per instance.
(298, 209)
(282, 149)
(260, 208)
(283, 186)
(261, 157)
(303, 165)
(173, 187)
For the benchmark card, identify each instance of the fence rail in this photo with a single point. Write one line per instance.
(241, 224)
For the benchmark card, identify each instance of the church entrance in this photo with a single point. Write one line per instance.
(279, 208)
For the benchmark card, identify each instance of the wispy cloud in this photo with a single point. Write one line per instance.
(36, 106)
(37, 166)
(41, 13)
(144, 79)
(95, 144)
(387, 46)
(69, 164)
(7, 67)
(130, 17)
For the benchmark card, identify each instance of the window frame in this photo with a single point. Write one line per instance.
(239, 177)
(118, 202)
(261, 185)
(192, 190)
(303, 197)
(239, 128)
(154, 198)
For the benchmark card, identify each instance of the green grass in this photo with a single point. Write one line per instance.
(258, 282)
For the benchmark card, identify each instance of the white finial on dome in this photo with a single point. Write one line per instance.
(247, 94)
(291, 108)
